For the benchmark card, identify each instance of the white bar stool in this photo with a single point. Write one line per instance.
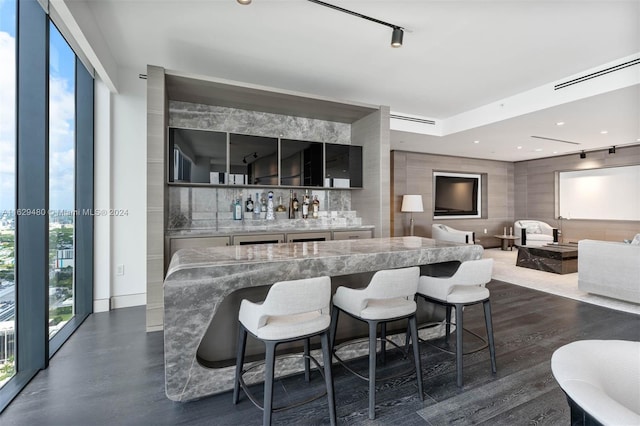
(465, 287)
(388, 297)
(292, 310)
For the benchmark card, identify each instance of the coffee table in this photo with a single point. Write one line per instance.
(556, 258)
(507, 241)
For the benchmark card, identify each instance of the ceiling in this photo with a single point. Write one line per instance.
(458, 57)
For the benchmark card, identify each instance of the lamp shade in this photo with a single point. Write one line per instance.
(412, 203)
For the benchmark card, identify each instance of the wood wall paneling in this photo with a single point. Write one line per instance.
(535, 193)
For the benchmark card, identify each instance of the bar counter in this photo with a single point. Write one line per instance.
(203, 288)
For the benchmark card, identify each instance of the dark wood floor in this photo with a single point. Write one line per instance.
(110, 372)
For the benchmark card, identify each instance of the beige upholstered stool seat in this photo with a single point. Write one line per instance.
(466, 294)
(356, 302)
(280, 326)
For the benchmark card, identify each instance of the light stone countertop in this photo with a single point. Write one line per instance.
(198, 280)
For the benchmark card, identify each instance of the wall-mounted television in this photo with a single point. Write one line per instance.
(457, 195)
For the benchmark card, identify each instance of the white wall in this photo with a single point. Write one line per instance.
(125, 190)
(102, 197)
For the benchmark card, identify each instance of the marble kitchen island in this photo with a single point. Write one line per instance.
(203, 288)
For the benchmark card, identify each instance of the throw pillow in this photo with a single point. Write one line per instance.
(636, 240)
(534, 228)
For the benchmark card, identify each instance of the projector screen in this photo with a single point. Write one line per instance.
(610, 193)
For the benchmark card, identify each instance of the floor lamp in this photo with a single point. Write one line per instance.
(411, 204)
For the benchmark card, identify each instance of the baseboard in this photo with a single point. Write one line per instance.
(101, 305)
(128, 300)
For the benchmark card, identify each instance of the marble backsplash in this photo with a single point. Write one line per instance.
(206, 208)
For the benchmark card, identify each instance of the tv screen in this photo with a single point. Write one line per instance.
(456, 195)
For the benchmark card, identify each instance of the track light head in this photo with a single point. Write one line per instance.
(244, 160)
(396, 37)
(612, 150)
(583, 155)
(255, 155)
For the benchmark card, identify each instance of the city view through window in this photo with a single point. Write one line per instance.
(61, 209)
(7, 188)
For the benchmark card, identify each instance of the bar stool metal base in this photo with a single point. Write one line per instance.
(373, 325)
(269, 363)
(459, 326)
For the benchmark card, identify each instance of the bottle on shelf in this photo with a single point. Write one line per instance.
(315, 207)
(281, 207)
(305, 205)
(237, 210)
(249, 205)
(295, 205)
(292, 214)
(256, 206)
(263, 207)
(270, 214)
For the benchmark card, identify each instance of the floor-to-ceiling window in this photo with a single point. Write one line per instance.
(46, 192)
(7, 188)
(61, 180)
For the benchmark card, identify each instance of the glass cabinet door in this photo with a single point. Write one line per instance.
(301, 163)
(343, 168)
(197, 156)
(253, 160)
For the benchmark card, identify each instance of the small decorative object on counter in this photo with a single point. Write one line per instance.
(237, 210)
(249, 205)
(295, 205)
(315, 208)
(281, 207)
(256, 206)
(270, 215)
(305, 205)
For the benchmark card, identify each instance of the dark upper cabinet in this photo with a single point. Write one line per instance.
(197, 156)
(301, 163)
(253, 160)
(343, 168)
(200, 156)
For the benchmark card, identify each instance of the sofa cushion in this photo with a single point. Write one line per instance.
(636, 240)
(533, 228)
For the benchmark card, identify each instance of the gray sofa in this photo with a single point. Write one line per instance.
(609, 269)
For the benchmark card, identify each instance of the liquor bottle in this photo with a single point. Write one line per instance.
(263, 205)
(237, 210)
(305, 205)
(291, 212)
(281, 207)
(249, 205)
(295, 205)
(256, 206)
(270, 214)
(315, 208)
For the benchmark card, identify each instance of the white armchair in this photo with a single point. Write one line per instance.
(534, 233)
(447, 233)
(601, 379)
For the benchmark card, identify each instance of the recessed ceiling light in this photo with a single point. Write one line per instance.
(538, 149)
(476, 141)
(560, 123)
(519, 147)
(555, 152)
(604, 132)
